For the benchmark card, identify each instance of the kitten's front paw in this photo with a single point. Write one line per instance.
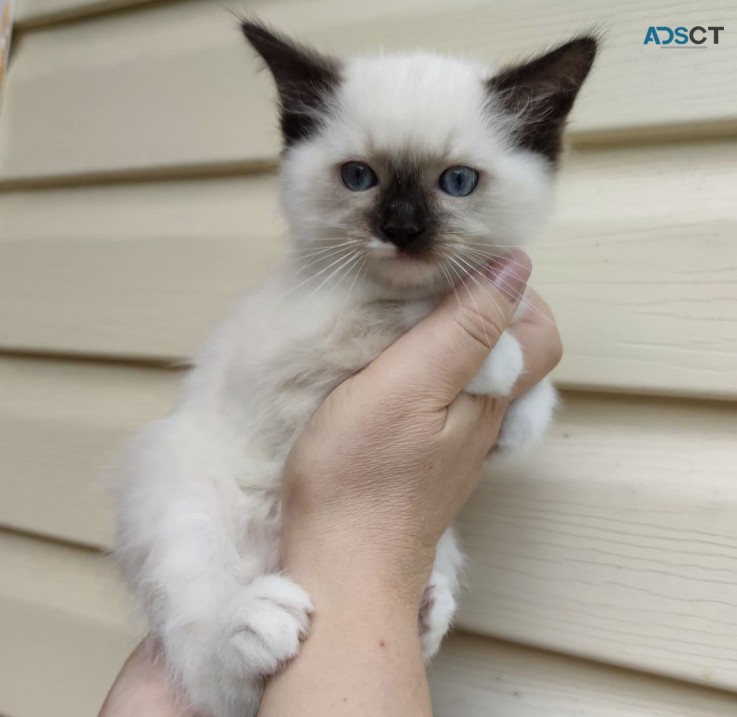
(528, 418)
(436, 614)
(500, 371)
(271, 617)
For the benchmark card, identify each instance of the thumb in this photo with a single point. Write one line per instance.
(445, 350)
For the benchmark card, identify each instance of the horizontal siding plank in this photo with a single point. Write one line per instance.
(63, 628)
(639, 262)
(32, 13)
(616, 541)
(61, 596)
(172, 85)
(480, 677)
(62, 426)
(144, 273)
(640, 265)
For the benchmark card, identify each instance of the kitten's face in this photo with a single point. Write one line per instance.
(413, 169)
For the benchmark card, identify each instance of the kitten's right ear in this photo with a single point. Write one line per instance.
(306, 80)
(539, 94)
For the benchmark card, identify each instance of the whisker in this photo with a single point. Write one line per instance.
(347, 268)
(514, 295)
(312, 251)
(316, 260)
(461, 249)
(486, 255)
(361, 266)
(319, 273)
(340, 268)
(460, 277)
(461, 273)
(478, 283)
(474, 256)
(479, 270)
(450, 281)
(345, 273)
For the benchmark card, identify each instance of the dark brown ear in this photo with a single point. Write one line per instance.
(306, 80)
(539, 94)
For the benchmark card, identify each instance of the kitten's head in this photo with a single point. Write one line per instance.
(417, 168)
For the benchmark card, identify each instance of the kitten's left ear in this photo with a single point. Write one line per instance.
(539, 94)
(305, 79)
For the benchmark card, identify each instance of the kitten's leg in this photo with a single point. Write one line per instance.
(441, 594)
(528, 416)
(195, 548)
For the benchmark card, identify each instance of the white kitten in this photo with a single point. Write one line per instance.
(401, 175)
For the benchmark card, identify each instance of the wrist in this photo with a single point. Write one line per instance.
(363, 649)
(344, 550)
(342, 571)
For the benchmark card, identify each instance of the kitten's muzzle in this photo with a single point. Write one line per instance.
(403, 216)
(409, 235)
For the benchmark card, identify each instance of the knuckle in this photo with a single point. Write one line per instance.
(493, 414)
(495, 407)
(401, 413)
(484, 326)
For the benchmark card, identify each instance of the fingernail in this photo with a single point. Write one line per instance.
(510, 274)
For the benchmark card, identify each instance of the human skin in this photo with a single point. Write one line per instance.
(378, 474)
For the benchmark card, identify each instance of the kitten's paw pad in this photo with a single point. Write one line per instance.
(271, 618)
(500, 371)
(436, 614)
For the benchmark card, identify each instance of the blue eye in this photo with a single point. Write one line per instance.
(459, 181)
(357, 176)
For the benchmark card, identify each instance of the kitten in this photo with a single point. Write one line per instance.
(400, 175)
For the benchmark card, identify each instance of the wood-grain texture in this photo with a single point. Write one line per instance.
(65, 615)
(180, 88)
(33, 13)
(624, 515)
(639, 261)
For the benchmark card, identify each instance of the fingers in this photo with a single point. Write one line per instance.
(481, 417)
(538, 336)
(440, 355)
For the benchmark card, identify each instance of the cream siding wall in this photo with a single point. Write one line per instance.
(137, 148)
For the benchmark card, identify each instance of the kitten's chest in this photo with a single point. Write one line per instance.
(309, 369)
(355, 338)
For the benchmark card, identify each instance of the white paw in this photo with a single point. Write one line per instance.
(436, 614)
(528, 418)
(500, 371)
(270, 618)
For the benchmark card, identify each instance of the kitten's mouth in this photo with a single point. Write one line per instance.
(405, 270)
(406, 260)
(404, 256)
(385, 252)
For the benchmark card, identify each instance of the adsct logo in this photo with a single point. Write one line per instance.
(682, 37)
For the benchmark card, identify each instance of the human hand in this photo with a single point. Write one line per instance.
(393, 453)
(143, 688)
(379, 472)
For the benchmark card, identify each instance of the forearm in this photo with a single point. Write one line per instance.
(362, 658)
(142, 688)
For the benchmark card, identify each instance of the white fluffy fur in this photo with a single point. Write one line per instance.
(197, 503)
